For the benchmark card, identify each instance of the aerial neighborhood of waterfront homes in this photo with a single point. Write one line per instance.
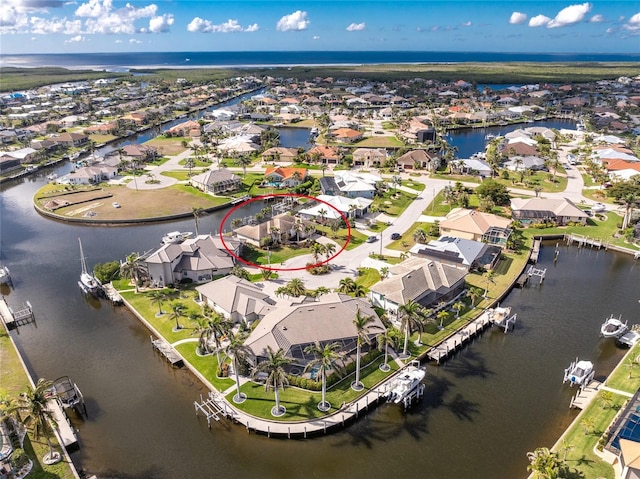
(374, 146)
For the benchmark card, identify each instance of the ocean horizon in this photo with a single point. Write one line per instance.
(129, 60)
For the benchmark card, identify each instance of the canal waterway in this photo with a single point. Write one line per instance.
(483, 410)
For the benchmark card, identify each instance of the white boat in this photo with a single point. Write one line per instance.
(5, 276)
(175, 237)
(501, 317)
(407, 386)
(68, 394)
(88, 283)
(52, 176)
(579, 373)
(613, 327)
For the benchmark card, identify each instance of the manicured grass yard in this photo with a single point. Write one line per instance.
(168, 146)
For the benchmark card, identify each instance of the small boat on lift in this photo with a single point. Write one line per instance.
(579, 373)
(68, 395)
(613, 327)
(175, 237)
(407, 386)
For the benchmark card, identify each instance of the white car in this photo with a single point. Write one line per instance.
(115, 204)
(599, 208)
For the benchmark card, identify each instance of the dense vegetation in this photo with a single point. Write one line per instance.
(12, 79)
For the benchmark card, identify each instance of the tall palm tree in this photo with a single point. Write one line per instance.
(203, 331)
(276, 376)
(410, 313)
(34, 403)
(243, 161)
(133, 269)
(219, 326)
(189, 164)
(363, 325)
(488, 276)
(297, 227)
(329, 249)
(176, 313)
(359, 291)
(320, 290)
(322, 212)
(238, 351)
(458, 306)
(442, 315)
(316, 250)
(295, 287)
(474, 293)
(197, 213)
(326, 358)
(544, 463)
(385, 339)
(157, 298)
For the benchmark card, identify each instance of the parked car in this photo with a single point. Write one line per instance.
(599, 208)
(115, 204)
(395, 236)
(371, 239)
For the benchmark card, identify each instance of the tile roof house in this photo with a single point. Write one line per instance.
(188, 128)
(280, 154)
(418, 279)
(285, 177)
(538, 210)
(345, 135)
(92, 174)
(216, 181)
(417, 159)
(236, 299)
(325, 154)
(476, 225)
(326, 320)
(369, 157)
(198, 259)
(261, 234)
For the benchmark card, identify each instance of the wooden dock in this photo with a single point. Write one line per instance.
(585, 241)
(460, 338)
(64, 428)
(111, 293)
(167, 351)
(522, 280)
(585, 395)
(12, 318)
(535, 252)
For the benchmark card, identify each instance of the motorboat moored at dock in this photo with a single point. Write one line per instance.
(613, 327)
(579, 372)
(175, 237)
(68, 395)
(407, 386)
(5, 276)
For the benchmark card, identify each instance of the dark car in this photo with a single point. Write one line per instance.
(395, 236)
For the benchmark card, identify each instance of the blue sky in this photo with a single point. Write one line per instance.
(61, 26)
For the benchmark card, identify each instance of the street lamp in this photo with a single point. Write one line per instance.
(380, 245)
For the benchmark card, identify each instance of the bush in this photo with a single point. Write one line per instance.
(186, 281)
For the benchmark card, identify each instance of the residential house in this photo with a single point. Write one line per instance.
(369, 157)
(424, 281)
(525, 163)
(476, 225)
(23, 155)
(345, 135)
(236, 299)
(326, 320)
(285, 177)
(474, 166)
(279, 228)
(325, 154)
(331, 207)
(188, 128)
(91, 174)
(418, 159)
(354, 185)
(197, 259)
(216, 181)
(279, 154)
(459, 252)
(539, 210)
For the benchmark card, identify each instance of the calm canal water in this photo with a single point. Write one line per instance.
(484, 409)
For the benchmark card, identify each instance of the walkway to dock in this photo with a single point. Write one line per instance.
(459, 338)
(585, 395)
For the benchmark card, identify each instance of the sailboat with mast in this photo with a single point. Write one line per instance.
(88, 283)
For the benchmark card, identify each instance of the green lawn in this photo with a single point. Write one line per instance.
(540, 179)
(414, 185)
(368, 278)
(588, 180)
(406, 241)
(626, 377)
(206, 365)
(340, 236)
(438, 207)
(198, 163)
(276, 255)
(182, 175)
(393, 203)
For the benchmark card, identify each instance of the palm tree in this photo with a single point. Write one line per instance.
(190, 163)
(243, 161)
(238, 351)
(474, 293)
(488, 275)
(219, 327)
(458, 306)
(411, 320)
(203, 331)
(544, 463)
(323, 213)
(325, 359)
(420, 235)
(295, 287)
(176, 312)
(384, 272)
(628, 200)
(197, 212)
(316, 250)
(240, 272)
(329, 249)
(275, 234)
(359, 291)
(157, 297)
(442, 315)
(133, 269)
(34, 403)
(297, 227)
(277, 378)
(385, 339)
(346, 285)
(362, 324)
(606, 399)
(588, 424)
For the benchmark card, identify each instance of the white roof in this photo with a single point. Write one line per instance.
(340, 203)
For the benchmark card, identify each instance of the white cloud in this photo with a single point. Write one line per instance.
(467, 24)
(356, 27)
(570, 15)
(633, 24)
(161, 23)
(517, 18)
(119, 41)
(94, 9)
(538, 21)
(206, 26)
(296, 22)
(597, 19)
(76, 39)
(316, 37)
(133, 41)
